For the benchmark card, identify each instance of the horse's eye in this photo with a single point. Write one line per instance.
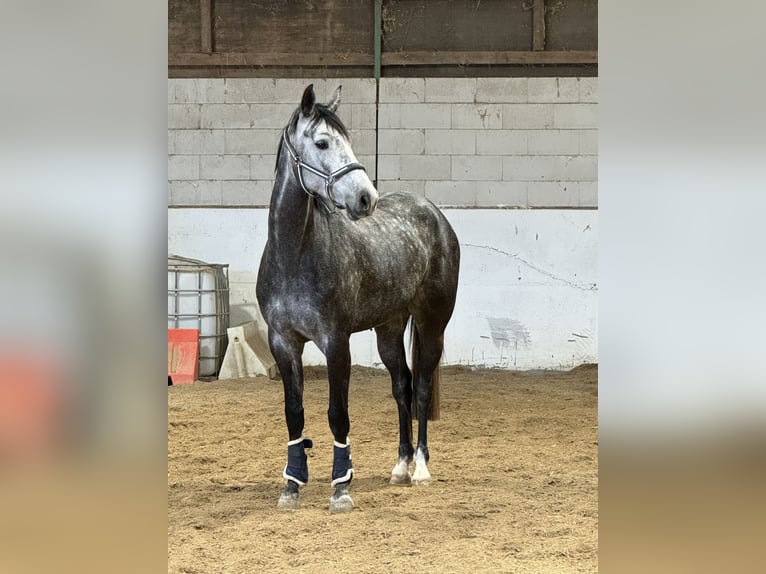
(322, 144)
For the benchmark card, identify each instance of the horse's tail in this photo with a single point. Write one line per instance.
(433, 413)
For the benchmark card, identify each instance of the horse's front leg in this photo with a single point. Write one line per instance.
(339, 371)
(287, 351)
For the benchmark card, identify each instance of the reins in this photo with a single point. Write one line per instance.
(329, 178)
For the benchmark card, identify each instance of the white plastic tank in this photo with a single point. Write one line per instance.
(198, 298)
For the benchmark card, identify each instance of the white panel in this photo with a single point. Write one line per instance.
(527, 297)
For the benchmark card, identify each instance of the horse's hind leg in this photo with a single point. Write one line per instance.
(391, 350)
(429, 346)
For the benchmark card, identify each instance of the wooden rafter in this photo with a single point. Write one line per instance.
(218, 59)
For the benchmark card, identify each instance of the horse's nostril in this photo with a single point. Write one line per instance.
(364, 202)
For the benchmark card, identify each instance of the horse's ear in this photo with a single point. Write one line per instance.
(308, 100)
(335, 100)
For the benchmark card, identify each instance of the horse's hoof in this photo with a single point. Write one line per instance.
(340, 501)
(400, 475)
(421, 476)
(401, 479)
(341, 504)
(289, 501)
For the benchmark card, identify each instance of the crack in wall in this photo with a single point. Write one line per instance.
(580, 286)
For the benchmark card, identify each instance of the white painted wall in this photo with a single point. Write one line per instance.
(527, 297)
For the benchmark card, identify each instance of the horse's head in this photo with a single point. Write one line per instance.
(320, 147)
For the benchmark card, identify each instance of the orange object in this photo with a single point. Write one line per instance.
(31, 405)
(183, 355)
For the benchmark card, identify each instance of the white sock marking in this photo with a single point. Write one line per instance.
(401, 469)
(421, 474)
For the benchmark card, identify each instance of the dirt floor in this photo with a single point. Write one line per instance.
(514, 465)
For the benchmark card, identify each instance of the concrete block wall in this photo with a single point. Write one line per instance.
(464, 142)
(490, 142)
(223, 134)
(481, 143)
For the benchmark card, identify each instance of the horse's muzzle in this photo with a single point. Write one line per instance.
(365, 205)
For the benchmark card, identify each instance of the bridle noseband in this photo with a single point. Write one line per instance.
(329, 178)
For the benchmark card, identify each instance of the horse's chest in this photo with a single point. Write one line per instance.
(287, 310)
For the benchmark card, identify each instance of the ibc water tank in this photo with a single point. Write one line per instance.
(198, 298)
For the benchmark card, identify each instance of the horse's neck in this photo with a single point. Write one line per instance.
(289, 215)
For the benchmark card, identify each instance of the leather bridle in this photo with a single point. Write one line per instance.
(329, 178)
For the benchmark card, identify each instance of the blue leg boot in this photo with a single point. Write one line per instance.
(342, 473)
(296, 472)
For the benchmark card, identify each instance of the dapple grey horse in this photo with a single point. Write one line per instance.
(324, 276)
